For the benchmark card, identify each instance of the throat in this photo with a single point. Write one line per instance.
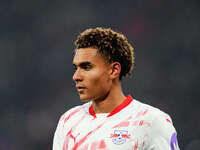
(107, 105)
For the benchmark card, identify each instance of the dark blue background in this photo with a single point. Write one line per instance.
(36, 52)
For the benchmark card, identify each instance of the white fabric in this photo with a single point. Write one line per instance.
(136, 127)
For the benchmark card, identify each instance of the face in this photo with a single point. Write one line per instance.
(91, 75)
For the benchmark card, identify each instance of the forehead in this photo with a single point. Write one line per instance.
(87, 54)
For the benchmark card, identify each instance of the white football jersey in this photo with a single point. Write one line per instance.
(131, 126)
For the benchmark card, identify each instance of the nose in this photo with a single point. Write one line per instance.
(77, 76)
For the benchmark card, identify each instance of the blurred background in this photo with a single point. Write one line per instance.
(36, 52)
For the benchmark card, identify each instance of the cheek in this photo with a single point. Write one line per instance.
(98, 80)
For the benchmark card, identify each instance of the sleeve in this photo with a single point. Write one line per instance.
(163, 135)
(57, 140)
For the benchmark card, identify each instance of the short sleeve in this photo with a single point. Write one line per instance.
(57, 140)
(162, 135)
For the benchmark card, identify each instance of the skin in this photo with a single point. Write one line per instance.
(97, 81)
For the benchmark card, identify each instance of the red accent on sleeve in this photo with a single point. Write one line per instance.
(168, 120)
(72, 113)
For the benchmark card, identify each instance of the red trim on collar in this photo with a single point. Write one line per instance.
(125, 103)
(91, 111)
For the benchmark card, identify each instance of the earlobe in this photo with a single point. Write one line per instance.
(115, 70)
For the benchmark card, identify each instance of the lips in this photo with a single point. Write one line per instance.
(80, 88)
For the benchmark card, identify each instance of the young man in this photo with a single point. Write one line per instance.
(109, 120)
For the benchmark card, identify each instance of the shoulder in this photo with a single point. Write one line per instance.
(146, 111)
(163, 133)
(160, 130)
(157, 119)
(160, 120)
(73, 112)
(151, 110)
(163, 125)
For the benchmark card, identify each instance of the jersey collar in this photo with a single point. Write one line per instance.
(125, 103)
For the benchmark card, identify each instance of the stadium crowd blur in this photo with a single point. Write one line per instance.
(36, 52)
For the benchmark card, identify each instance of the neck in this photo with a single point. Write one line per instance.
(114, 98)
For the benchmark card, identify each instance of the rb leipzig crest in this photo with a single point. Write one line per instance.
(119, 137)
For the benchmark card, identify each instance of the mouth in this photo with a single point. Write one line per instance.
(80, 88)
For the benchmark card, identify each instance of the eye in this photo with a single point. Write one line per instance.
(86, 67)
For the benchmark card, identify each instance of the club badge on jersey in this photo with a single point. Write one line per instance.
(119, 137)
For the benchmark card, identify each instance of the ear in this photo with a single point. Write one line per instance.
(115, 70)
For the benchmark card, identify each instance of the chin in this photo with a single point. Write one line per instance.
(85, 98)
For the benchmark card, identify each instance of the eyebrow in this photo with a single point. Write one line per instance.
(85, 63)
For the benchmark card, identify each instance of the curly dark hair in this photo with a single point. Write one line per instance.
(113, 46)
